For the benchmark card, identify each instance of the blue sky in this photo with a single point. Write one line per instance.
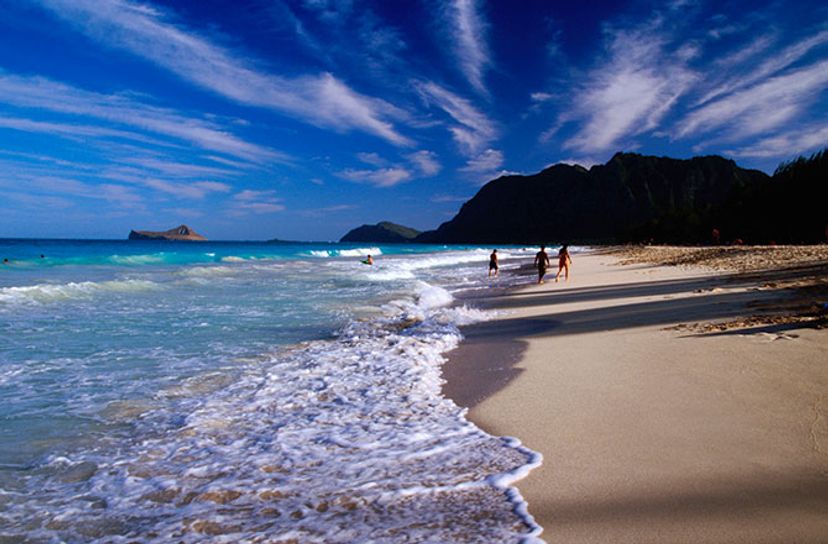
(301, 119)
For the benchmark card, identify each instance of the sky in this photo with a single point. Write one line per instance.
(299, 120)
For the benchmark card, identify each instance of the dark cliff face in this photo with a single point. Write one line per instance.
(384, 232)
(632, 197)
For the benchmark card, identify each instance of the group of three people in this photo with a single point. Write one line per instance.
(541, 262)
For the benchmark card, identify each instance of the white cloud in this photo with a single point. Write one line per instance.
(488, 161)
(752, 49)
(260, 207)
(45, 186)
(541, 97)
(178, 169)
(69, 130)
(39, 202)
(473, 131)
(258, 202)
(321, 100)
(787, 144)
(770, 66)
(387, 174)
(425, 162)
(321, 212)
(469, 32)
(631, 93)
(486, 166)
(249, 195)
(197, 190)
(383, 177)
(586, 162)
(212, 186)
(44, 94)
(125, 196)
(760, 108)
(372, 158)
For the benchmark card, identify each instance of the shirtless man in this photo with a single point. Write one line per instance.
(493, 266)
(542, 262)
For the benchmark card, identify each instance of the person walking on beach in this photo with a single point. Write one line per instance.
(493, 267)
(564, 260)
(542, 262)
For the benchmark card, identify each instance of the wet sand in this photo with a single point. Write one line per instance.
(671, 403)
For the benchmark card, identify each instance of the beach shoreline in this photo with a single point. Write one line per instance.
(670, 403)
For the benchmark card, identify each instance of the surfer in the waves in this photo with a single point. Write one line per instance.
(368, 260)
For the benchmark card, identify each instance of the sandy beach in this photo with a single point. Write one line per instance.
(677, 397)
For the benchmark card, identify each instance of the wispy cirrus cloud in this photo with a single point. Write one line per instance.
(802, 141)
(195, 190)
(472, 130)
(488, 161)
(372, 158)
(166, 186)
(630, 92)
(72, 131)
(760, 108)
(485, 166)
(468, 30)
(325, 210)
(51, 96)
(40, 186)
(124, 184)
(386, 173)
(425, 162)
(380, 177)
(178, 169)
(766, 68)
(148, 32)
(257, 202)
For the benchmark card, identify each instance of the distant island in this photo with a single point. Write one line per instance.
(384, 232)
(181, 233)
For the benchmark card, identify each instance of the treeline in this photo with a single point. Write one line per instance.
(791, 207)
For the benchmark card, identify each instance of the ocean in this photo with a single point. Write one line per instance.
(245, 392)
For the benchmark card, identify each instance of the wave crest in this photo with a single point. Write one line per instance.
(48, 292)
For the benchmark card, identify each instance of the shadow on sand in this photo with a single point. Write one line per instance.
(714, 499)
(485, 362)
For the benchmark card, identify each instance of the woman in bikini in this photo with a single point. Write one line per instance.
(564, 260)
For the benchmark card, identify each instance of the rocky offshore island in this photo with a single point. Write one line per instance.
(181, 233)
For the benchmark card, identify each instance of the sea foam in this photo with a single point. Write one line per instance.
(331, 441)
(213, 402)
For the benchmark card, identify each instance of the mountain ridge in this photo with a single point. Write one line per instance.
(632, 197)
(383, 232)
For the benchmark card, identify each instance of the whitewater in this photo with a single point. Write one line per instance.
(245, 392)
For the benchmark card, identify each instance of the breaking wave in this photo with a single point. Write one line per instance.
(47, 292)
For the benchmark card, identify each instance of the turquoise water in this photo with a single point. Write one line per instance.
(145, 385)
